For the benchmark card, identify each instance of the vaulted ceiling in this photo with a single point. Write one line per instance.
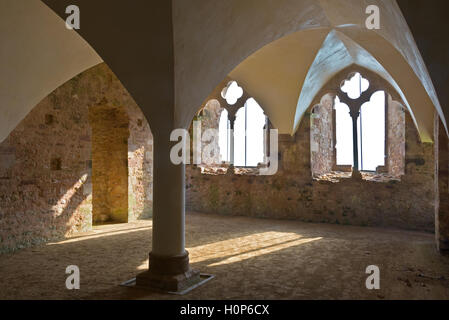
(170, 56)
(37, 55)
(430, 28)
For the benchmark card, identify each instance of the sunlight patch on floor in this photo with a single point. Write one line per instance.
(99, 234)
(246, 247)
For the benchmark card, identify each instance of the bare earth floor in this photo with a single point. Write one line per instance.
(251, 259)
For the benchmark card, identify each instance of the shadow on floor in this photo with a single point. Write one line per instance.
(251, 258)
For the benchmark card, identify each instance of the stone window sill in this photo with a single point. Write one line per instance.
(338, 176)
(225, 169)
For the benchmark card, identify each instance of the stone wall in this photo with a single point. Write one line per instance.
(140, 165)
(293, 194)
(395, 138)
(110, 134)
(210, 118)
(441, 187)
(46, 162)
(322, 132)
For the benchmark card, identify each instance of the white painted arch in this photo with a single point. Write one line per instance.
(37, 55)
(281, 51)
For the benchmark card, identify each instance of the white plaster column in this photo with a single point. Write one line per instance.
(169, 267)
(168, 202)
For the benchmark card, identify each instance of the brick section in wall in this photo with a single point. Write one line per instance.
(110, 133)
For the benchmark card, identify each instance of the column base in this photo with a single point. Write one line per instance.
(356, 175)
(170, 274)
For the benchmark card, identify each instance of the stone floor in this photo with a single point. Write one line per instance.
(251, 259)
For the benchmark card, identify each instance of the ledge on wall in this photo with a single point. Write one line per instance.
(338, 176)
(213, 170)
(225, 168)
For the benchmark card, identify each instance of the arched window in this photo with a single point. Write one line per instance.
(371, 133)
(249, 149)
(343, 132)
(357, 126)
(370, 126)
(223, 136)
(232, 128)
(232, 93)
(355, 86)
